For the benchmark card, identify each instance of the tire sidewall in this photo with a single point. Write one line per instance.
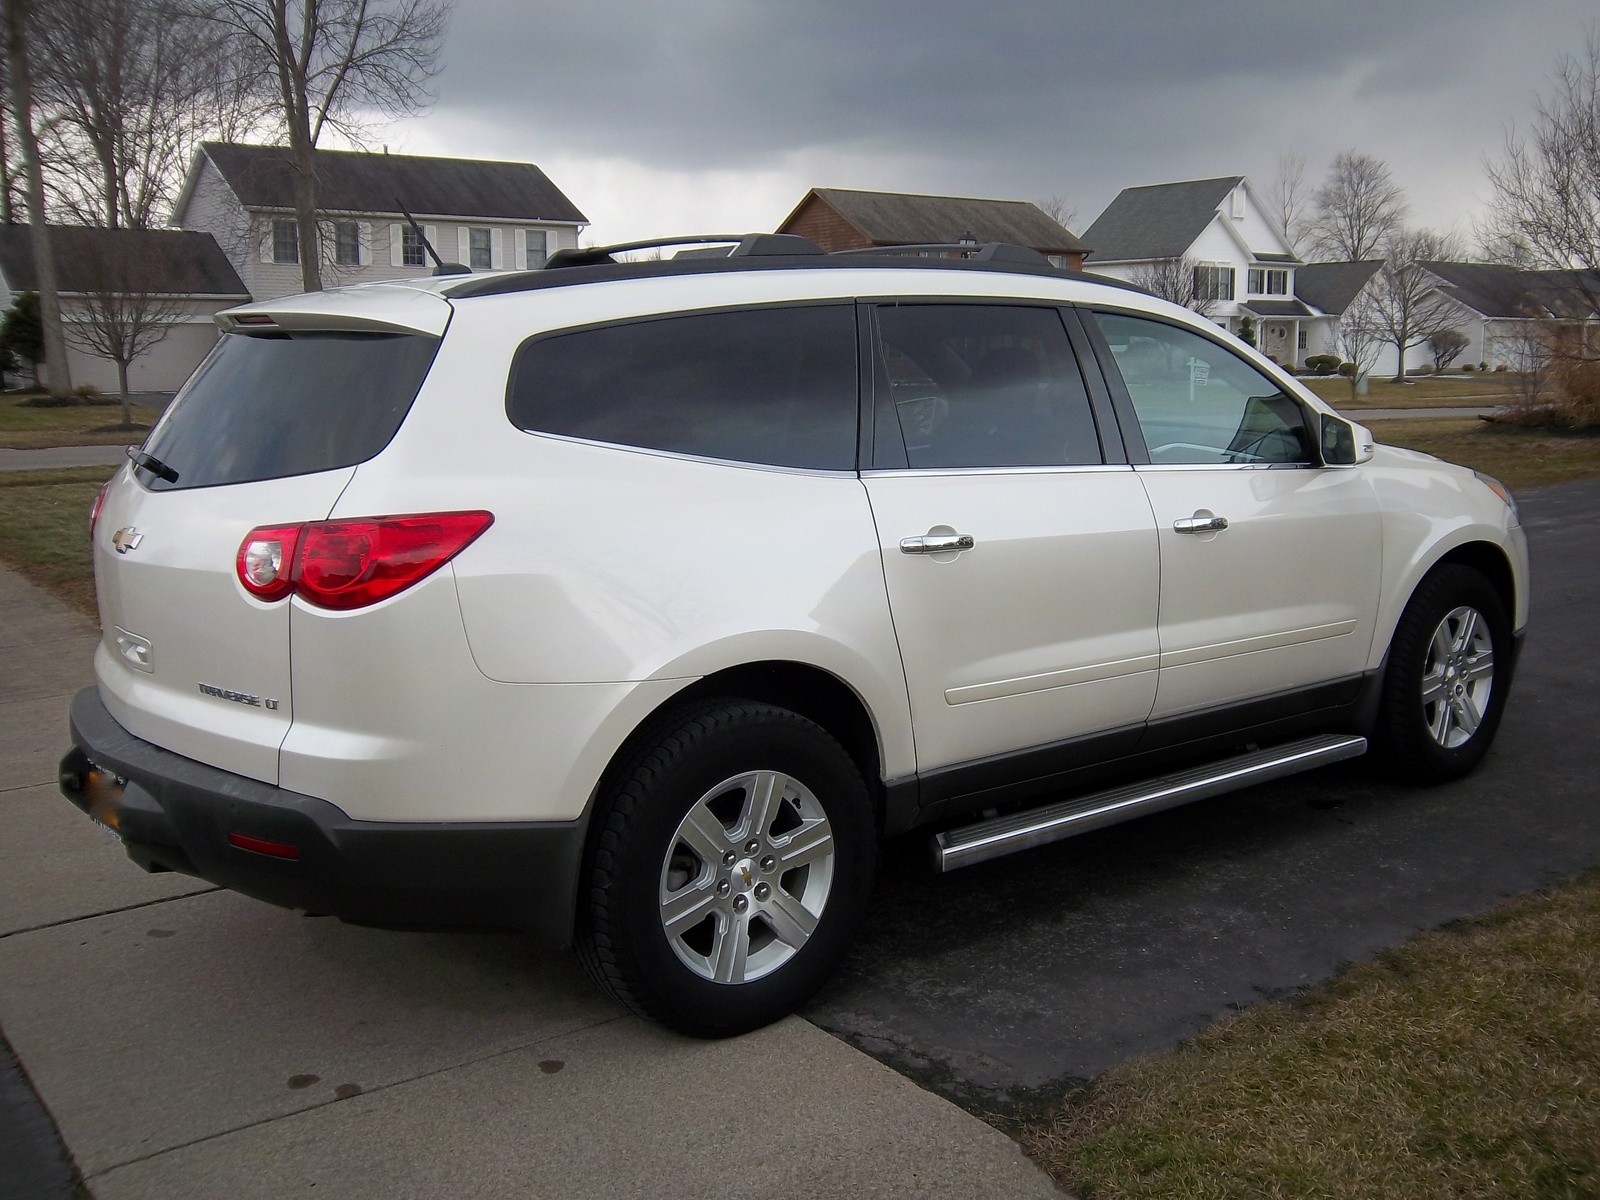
(1403, 733)
(743, 739)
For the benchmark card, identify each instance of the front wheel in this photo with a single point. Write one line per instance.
(729, 870)
(1449, 669)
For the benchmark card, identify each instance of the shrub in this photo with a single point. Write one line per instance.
(1468, 367)
(1483, 366)
(1501, 367)
(1322, 364)
(1347, 369)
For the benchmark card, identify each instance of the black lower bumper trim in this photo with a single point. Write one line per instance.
(173, 813)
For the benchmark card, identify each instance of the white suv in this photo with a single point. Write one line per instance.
(631, 604)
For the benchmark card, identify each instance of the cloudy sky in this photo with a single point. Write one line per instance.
(717, 115)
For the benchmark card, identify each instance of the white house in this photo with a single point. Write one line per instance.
(1241, 261)
(484, 215)
(1504, 311)
(128, 286)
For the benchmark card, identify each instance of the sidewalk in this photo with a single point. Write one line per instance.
(190, 1042)
(62, 456)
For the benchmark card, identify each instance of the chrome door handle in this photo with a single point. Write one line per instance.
(1200, 524)
(937, 543)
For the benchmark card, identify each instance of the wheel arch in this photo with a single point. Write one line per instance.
(1488, 558)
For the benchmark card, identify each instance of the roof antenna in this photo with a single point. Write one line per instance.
(440, 267)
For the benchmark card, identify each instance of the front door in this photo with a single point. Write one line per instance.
(1270, 562)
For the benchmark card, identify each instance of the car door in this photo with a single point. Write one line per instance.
(1270, 561)
(1020, 565)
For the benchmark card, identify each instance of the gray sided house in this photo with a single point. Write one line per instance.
(1214, 241)
(484, 215)
(844, 219)
(1505, 310)
(159, 288)
(1330, 289)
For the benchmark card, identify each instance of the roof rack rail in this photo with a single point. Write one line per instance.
(745, 245)
(995, 252)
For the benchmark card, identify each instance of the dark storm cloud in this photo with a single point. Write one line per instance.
(1015, 97)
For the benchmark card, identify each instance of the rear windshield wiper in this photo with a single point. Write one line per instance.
(152, 464)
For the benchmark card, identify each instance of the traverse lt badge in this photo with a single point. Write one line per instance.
(127, 538)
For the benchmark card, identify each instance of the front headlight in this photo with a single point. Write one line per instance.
(1501, 490)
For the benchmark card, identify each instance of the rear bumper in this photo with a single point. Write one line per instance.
(175, 814)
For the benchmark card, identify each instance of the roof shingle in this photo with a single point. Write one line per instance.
(91, 259)
(361, 182)
(904, 219)
(1160, 220)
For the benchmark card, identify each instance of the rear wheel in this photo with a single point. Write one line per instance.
(729, 871)
(1449, 668)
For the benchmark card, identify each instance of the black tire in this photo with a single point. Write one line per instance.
(1434, 741)
(718, 762)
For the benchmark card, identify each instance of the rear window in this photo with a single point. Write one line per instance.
(270, 405)
(773, 385)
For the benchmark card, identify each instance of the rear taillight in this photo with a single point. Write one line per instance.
(99, 503)
(350, 564)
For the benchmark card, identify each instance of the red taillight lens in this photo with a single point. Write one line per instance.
(99, 503)
(343, 565)
(266, 561)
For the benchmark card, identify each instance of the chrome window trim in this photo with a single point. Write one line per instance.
(777, 468)
(930, 472)
(1228, 466)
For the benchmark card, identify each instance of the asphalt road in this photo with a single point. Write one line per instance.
(1000, 985)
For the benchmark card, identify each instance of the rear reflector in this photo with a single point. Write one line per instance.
(99, 503)
(348, 564)
(263, 846)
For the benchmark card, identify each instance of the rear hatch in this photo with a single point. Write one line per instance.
(268, 432)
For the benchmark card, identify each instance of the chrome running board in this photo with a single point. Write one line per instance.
(1040, 826)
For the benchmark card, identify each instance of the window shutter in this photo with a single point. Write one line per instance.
(497, 254)
(266, 245)
(364, 239)
(396, 245)
(463, 245)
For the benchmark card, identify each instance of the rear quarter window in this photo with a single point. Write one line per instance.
(271, 405)
(775, 386)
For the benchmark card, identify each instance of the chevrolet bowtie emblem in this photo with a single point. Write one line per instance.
(745, 871)
(127, 538)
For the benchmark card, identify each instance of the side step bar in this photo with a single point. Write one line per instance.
(1040, 826)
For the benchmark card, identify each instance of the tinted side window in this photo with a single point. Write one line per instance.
(984, 386)
(1197, 402)
(270, 405)
(774, 385)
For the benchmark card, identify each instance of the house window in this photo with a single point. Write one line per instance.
(347, 243)
(1213, 283)
(1301, 343)
(479, 257)
(538, 248)
(1268, 282)
(285, 240)
(411, 252)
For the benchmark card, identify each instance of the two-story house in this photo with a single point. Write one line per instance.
(484, 215)
(1214, 244)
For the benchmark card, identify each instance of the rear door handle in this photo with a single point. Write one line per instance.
(937, 543)
(1199, 524)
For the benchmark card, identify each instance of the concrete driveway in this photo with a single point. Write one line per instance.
(189, 1042)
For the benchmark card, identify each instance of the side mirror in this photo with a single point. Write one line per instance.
(1344, 443)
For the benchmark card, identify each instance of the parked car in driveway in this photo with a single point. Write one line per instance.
(632, 604)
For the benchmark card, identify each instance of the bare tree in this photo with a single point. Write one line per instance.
(1058, 210)
(127, 309)
(1445, 346)
(1546, 188)
(1356, 209)
(9, 181)
(1290, 202)
(1361, 335)
(1180, 281)
(1406, 301)
(329, 65)
(131, 88)
(18, 17)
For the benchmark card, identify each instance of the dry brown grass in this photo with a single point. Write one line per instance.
(1465, 1064)
(1518, 457)
(44, 529)
(1423, 391)
(24, 427)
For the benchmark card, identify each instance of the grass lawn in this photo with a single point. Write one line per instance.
(44, 529)
(1464, 1064)
(1422, 392)
(100, 424)
(1519, 458)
